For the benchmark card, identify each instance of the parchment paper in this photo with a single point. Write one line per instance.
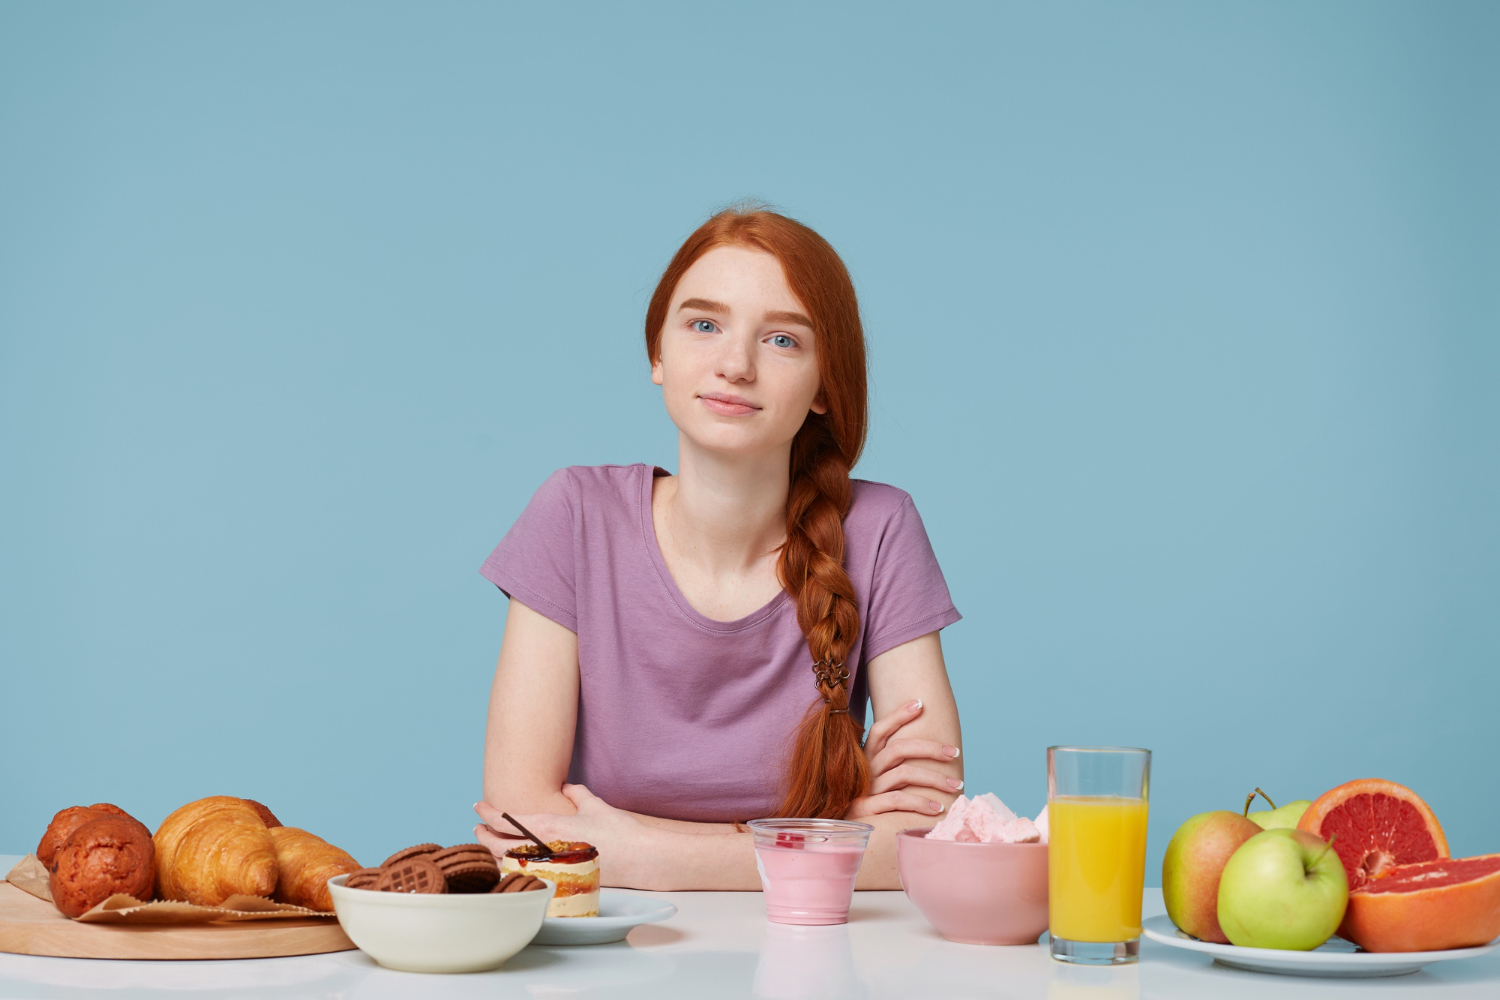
(30, 875)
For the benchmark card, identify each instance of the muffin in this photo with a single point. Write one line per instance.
(106, 855)
(573, 865)
(65, 822)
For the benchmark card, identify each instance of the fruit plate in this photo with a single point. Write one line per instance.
(1336, 959)
(619, 913)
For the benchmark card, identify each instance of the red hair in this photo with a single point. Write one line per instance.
(826, 769)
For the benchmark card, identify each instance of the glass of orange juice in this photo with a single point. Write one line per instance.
(1096, 852)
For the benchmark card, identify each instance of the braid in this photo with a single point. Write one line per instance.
(828, 769)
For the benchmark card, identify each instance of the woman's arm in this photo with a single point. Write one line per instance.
(913, 671)
(646, 852)
(528, 739)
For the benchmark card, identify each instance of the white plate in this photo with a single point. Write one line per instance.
(1336, 959)
(618, 913)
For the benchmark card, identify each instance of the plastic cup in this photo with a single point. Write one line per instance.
(807, 867)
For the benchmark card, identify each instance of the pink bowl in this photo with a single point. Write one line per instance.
(976, 893)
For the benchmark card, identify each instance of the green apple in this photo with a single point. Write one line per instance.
(1282, 889)
(1284, 818)
(1190, 870)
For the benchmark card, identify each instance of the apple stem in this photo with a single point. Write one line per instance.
(1323, 853)
(1266, 797)
(1248, 799)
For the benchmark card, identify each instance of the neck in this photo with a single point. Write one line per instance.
(728, 512)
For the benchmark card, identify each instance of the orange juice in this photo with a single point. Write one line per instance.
(1096, 866)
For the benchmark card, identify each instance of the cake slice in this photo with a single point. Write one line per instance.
(573, 865)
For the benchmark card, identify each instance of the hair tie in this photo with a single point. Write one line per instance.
(830, 674)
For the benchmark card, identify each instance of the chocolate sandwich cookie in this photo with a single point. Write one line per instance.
(365, 878)
(468, 868)
(516, 882)
(416, 850)
(415, 874)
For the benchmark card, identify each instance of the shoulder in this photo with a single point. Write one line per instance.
(876, 505)
(578, 486)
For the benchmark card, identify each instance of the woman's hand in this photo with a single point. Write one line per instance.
(619, 836)
(895, 785)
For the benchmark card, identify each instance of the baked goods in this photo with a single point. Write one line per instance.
(573, 866)
(467, 868)
(415, 874)
(411, 852)
(212, 849)
(362, 879)
(516, 882)
(304, 864)
(204, 853)
(266, 816)
(65, 822)
(108, 854)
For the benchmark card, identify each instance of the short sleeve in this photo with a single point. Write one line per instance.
(534, 562)
(908, 595)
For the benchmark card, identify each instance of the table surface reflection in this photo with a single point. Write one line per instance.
(720, 945)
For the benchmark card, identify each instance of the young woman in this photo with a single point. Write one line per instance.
(684, 653)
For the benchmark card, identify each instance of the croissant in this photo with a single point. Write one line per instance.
(306, 863)
(212, 849)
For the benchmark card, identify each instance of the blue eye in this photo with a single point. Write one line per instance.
(782, 340)
(704, 326)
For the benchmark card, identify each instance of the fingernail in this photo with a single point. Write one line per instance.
(955, 783)
(915, 706)
(951, 751)
(936, 807)
(476, 807)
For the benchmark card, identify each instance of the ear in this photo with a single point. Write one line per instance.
(819, 404)
(656, 371)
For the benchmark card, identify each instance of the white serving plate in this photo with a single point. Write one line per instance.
(1335, 959)
(619, 912)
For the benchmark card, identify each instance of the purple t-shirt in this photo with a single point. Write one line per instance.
(680, 715)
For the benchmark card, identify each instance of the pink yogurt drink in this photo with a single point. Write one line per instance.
(807, 867)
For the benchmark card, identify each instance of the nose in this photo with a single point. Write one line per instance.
(736, 361)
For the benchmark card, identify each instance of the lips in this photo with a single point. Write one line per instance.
(729, 406)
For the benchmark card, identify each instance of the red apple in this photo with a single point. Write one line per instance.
(1190, 871)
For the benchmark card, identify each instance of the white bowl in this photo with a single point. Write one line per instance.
(437, 932)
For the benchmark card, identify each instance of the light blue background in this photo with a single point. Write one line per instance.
(1183, 324)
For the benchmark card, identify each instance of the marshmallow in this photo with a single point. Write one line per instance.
(984, 819)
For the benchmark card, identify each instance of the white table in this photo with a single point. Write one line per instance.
(720, 945)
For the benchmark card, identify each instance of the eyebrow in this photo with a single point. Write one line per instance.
(775, 316)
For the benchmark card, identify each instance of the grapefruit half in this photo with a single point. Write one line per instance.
(1448, 903)
(1375, 825)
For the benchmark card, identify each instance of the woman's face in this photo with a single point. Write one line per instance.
(738, 365)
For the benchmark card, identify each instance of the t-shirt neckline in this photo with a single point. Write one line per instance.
(653, 548)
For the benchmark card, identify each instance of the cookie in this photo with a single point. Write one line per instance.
(105, 856)
(415, 874)
(411, 852)
(516, 882)
(476, 876)
(462, 851)
(365, 878)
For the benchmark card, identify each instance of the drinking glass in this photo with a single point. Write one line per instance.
(1096, 852)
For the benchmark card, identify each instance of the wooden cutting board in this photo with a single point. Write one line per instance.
(31, 926)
